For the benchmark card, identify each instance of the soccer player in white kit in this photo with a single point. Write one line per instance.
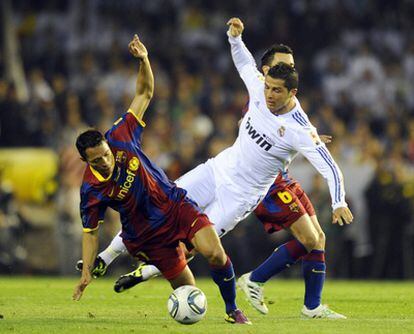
(297, 214)
(275, 128)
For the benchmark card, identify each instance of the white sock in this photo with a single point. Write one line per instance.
(149, 271)
(115, 248)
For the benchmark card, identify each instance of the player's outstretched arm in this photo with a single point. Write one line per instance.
(240, 54)
(145, 80)
(309, 144)
(90, 245)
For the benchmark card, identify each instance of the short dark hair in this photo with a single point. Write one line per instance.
(87, 139)
(285, 72)
(268, 55)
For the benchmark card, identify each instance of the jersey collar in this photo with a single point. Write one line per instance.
(98, 175)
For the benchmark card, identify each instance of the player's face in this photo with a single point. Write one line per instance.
(101, 158)
(280, 58)
(276, 94)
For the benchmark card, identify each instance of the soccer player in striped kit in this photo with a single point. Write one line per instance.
(156, 215)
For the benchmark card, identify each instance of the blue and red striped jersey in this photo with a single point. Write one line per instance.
(139, 190)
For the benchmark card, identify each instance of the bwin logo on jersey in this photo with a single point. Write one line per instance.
(257, 137)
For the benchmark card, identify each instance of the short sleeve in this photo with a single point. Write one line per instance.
(127, 129)
(92, 209)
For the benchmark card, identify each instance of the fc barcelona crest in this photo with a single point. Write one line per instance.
(294, 207)
(121, 157)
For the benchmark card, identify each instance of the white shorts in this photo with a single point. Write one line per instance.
(220, 201)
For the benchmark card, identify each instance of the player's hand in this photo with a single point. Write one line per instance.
(236, 26)
(137, 49)
(342, 215)
(326, 139)
(81, 286)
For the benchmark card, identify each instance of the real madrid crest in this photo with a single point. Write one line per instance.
(315, 138)
(281, 131)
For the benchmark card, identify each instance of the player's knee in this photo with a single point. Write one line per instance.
(186, 277)
(321, 240)
(310, 241)
(216, 256)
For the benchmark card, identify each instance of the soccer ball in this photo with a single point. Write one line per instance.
(187, 304)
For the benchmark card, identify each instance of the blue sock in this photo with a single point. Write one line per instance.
(225, 279)
(314, 268)
(281, 258)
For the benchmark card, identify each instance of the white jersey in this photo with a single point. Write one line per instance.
(267, 143)
(230, 186)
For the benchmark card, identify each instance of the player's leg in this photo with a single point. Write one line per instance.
(201, 188)
(281, 209)
(283, 257)
(308, 233)
(200, 184)
(172, 264)
(229, 208)
(314, 267)
(314, 271)
(206, 193)
(207, 243)
(287, 254)
(186, 277)
(116, 248)
(143, 273)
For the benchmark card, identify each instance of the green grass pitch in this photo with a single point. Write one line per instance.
(44, 305)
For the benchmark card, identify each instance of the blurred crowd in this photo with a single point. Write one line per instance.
(356, 64)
